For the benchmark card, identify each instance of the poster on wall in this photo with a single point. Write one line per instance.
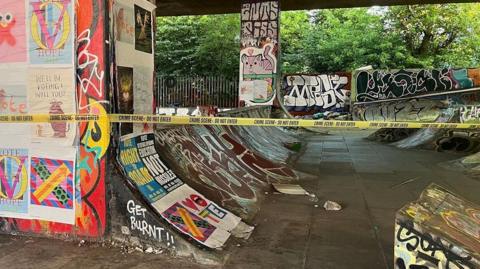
(143, 98)
(197, 204)
(51, 91)
(190, 224)
(13, 42)
(52, 187)
(51, 31)
(124, 22)
(134, 57)
(13, 99)
(143, 29)
(183, 207)
(125, 95)
(155, 166)
(136, 170)
(14, 182)
(259, 52)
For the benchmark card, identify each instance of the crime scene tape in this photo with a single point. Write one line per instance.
(194, 120)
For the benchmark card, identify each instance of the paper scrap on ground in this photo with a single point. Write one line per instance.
(291, 189)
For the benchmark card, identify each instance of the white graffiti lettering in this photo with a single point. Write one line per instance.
(320, 92)
(469, 114)
(88, 62)
(138, 222)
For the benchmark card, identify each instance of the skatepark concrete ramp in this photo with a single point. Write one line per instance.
(197, 183)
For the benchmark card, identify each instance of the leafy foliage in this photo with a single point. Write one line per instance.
(347, 39)
(424, 36)
(438, 35)
(200, 45)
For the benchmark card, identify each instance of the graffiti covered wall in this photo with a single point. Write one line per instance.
(440, 230)
(259, 52)
(92, 96)
(409, 110)
(58, 185)
(470, 113)
(215, 163)
(377, 85)
(309, 94)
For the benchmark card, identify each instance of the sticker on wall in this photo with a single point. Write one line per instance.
(52, 193)
(51, 91)
(143, 30)
(124, 22)
(12, 32)
(14, 182)
(51, 31)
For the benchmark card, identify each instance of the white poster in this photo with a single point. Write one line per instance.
(14, 193)
(13, 100)
(52, 91)
(134, 40)
(52, 185)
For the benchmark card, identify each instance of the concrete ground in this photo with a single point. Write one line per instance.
(291, 231)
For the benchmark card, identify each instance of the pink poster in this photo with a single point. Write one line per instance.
(13, 45)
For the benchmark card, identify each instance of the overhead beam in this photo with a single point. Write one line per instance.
(206, 7)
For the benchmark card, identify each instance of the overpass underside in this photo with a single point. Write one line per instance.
(194, 7)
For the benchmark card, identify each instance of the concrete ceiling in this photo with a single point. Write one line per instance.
(204, 7)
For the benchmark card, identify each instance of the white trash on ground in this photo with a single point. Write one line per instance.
(332, 206)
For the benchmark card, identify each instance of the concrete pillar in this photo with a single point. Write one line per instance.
(259, 55)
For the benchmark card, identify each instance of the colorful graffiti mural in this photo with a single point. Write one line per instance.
(375, 85)
(94, 136)
(67, 184)
(440, 230)
(259, 52)
(309, 94)
(218, 165)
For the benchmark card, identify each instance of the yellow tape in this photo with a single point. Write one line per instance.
(184, 120)
(47, 118)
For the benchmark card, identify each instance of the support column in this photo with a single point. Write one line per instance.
(259, 52)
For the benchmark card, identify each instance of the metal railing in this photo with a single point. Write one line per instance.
(192, 91)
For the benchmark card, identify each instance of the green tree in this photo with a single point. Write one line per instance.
(218, 50)
(176, 41)
(198, 45)
(346, 39)
(295, 26)
(438, 35)
(425, 36)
